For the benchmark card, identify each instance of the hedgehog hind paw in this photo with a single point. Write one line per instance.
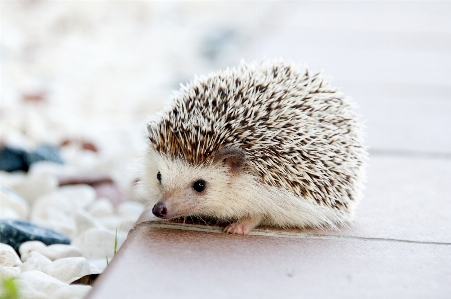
(243, 226)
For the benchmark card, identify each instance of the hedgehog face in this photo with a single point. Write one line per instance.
(178, 189)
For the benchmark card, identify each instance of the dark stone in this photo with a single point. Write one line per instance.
(16, 232)
(12, 159)
(44, 153)
(87, 279)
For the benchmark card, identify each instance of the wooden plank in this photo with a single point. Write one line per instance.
(167, 263)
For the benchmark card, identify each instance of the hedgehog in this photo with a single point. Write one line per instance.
(262, 144)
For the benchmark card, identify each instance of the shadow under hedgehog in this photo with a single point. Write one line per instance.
(262, 144)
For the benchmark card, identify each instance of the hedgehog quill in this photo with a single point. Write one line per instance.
(262, 144)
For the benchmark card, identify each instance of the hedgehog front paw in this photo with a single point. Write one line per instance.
(243, 226)
(237, 228)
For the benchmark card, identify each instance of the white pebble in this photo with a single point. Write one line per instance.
(68, 269)
(84, 221)
(94, 269)
(130, 209)
(11, 178)
(54, 211)
(34, 186)
(43, 261)
(83, 161)
(52, 252)
(8, 213)
(101, 207)
(8, 271)
(127, 224)
(50, 168)
(28, 293)
(100, 264)
(59, 251)
(32, 263)
(76, 291)
(10, 199)
(8, 256)
(36, 283)
(26, 247)
(96, 243)
(15, 137)
(111, 222)
(78, 195)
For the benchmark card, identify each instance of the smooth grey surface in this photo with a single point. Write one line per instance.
(392, 58)
(403, 117)
(407, 198)
(165, 263)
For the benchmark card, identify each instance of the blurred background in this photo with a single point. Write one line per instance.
(96, 70)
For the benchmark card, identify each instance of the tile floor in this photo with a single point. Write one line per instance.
(167, 263)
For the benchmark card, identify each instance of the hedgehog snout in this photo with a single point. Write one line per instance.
(160, 210)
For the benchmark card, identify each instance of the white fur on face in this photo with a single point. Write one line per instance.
(176, 187)
(229, 197)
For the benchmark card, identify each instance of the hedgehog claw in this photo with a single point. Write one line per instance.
(242, 226)
(236, 228)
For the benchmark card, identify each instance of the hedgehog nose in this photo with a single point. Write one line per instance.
(159, 210)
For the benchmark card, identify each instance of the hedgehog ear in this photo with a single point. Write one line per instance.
(234, 158)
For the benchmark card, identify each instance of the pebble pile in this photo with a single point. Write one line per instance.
(58, 223)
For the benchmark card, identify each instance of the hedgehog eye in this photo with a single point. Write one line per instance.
(199, 185)
(159, 176)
